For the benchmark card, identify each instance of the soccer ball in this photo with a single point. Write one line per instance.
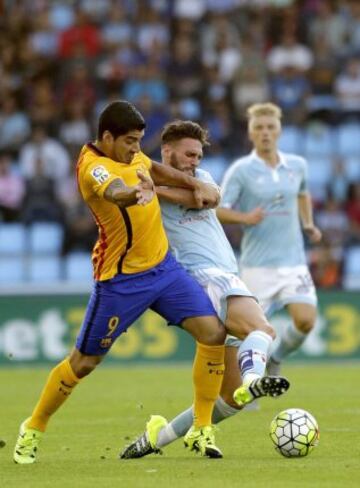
(294, 432)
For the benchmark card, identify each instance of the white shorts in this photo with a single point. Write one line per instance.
(277, 287)
(220, 285)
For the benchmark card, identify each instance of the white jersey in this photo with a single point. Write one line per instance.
(277, 240)
(196, 237)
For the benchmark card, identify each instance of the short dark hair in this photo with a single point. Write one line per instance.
(179, 129)
(119, 118)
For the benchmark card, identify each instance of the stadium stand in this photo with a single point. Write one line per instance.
(197, 59)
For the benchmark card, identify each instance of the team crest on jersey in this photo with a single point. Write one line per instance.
(100, 174)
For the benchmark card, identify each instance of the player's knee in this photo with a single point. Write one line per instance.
(269, 330)
(84, 365)
(213, 337)
(305, 324)
(263, 326)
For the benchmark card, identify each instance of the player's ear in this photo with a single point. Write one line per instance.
(107, 137)
(165, 152)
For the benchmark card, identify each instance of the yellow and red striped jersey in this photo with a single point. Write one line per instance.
(131, 239)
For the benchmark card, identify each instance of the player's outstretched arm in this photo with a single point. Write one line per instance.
(181, 196)
(230, 216)
(125, 196)
(204, 193)
(306, 217)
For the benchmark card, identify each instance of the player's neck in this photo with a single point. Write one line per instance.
(271, 158)
(100, 147)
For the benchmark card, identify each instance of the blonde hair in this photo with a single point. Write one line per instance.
(259, 109)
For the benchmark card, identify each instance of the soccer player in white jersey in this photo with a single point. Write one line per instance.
(267, 192)
(198, 241)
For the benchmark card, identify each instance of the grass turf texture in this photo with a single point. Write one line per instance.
(81, 446)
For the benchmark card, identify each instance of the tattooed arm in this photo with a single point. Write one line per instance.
(125, 196)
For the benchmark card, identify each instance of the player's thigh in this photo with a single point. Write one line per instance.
(112, 308)
(232, 377)
(184, 302)
(244, 315)
(303, 315)
(264, 284)
(205, 329)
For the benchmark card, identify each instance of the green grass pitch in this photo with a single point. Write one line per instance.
(83, 440)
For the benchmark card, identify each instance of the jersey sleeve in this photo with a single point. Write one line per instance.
(232, 186)
(304, 187)
(206, 177)
(97, 176)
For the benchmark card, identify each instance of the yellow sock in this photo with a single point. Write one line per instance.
(208, 371)
(59, 386)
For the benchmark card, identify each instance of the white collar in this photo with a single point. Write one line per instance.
(282, 160)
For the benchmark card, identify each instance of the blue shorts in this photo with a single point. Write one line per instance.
(115, 304)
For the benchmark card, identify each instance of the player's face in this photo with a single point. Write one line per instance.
(124, 147)
(185, 155)
(264, 132)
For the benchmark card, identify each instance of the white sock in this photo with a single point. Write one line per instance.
(253, 354)
(290, 340)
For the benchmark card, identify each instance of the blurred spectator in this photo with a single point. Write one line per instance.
(152, 30)
(61, 15)
(80, 231)
(353, 26)
(353, 212)
(12, 189)
(324, 69)
(45, 151)
(214, 87)
(146, 80)
(116, 64)
(219, 124)
(10, 73)
(44, 40)
(221, 46)
(184, 65)
(339, 184)
(190, 9)
(75, 129)
(42, 104)
(118, 28)
(325, 266)
(156, 117)
(334, 225)
(95, 10)
(329, 26)
(290, 90)
(289, 53)
(347, 87)
(40, 203)
(250, 86)
(79, 86)
(82, 37)
(14, 124)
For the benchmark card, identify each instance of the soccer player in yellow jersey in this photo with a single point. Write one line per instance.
(133, 271)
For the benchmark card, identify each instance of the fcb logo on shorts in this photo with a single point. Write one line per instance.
(106, 342)
(100, 174)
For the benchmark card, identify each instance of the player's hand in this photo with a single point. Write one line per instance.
(206, 195)
(254, 216)
(145, 189)
(313, 233)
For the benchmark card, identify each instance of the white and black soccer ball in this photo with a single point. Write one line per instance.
(294, 432)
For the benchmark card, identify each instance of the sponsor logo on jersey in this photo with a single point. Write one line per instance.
(100, 174)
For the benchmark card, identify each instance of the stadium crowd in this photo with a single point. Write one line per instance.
(205, 60)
